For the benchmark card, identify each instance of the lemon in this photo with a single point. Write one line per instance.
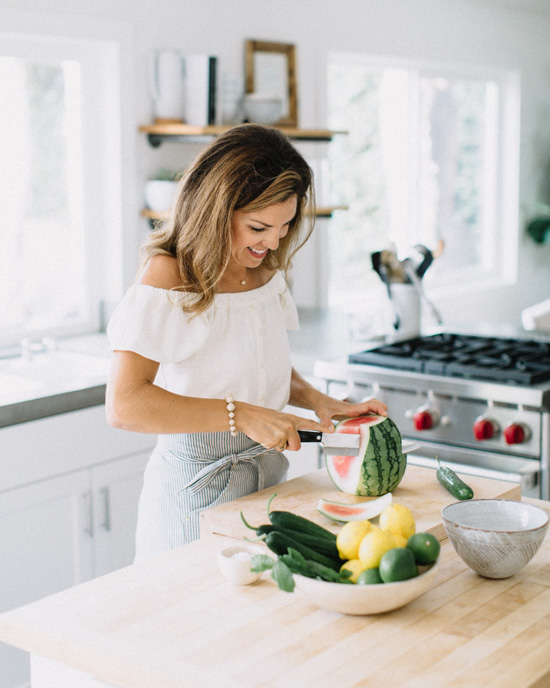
(397, 565)
(349, 538)
(400, 541)
(373, 546)
(355, 566)
(398, 519)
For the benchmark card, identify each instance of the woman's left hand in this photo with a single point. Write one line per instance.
(328, 409)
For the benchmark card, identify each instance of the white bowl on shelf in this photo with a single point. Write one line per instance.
(262, 108)
(160, 194)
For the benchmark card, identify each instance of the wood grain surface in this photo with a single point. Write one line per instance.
(419, 490)
(175, 622)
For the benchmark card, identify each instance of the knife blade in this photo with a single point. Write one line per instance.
(344, 444)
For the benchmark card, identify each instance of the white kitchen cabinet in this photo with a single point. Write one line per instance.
(115, 492)
(61, 527)
(44, 549)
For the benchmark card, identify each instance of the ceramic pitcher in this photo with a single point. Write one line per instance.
(166, 84)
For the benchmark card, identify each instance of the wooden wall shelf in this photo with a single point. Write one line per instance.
(157, 133)
(322, 211)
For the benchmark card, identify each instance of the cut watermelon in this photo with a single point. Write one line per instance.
(380, 465)
(361, 511)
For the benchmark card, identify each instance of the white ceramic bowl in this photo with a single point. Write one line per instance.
(160, 194)
(361, 600)
(495, 537)
(263, 109)
(234, 563)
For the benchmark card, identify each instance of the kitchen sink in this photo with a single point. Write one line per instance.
(49, 372)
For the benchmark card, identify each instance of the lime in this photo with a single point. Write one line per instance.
(349, 538)
(397, 565)
(398, 519)
(373, 546)
(369, 577)
(356, 568)
(425, 548)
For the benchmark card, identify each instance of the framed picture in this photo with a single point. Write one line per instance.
(270, 68)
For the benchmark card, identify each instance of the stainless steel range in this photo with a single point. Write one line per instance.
(480, 404)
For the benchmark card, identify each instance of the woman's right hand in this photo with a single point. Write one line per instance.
(274, 429)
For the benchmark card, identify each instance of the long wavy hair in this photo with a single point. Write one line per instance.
(248, 168)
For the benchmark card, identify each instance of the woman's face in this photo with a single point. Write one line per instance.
(257, 232)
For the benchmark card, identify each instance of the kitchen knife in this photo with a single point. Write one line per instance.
(342, 443)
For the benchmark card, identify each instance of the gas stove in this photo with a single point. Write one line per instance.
(509, 361)
(480, 403)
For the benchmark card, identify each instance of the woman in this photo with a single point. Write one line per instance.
(201, 354)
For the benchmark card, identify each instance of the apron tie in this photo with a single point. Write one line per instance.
(215, 466)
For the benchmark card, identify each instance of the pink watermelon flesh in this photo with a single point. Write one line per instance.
(380, 465)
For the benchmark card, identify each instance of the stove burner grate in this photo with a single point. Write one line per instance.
(510, 361)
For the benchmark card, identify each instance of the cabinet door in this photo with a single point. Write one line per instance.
(117, 486)
(45, 547)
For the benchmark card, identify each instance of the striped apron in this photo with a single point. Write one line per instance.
(188, 473)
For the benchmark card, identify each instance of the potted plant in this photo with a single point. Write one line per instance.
(160, 191)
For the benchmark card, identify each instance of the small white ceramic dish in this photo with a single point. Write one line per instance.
(361, 600)
(495, 537)
(234, 563)
(262, 108)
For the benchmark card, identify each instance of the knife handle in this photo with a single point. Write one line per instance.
(310, 435)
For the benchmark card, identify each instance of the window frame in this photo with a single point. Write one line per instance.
(505, 236)
(101, 165)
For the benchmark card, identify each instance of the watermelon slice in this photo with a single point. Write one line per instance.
(380, 465)
(361, 511)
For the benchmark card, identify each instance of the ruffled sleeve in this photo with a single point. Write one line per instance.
(152, 323)
(286, 300)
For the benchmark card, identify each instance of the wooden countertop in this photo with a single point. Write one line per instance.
(419, 490)
(175, 622)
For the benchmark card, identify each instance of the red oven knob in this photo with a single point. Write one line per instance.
(516, 433)
(423, 420)
(485, 429)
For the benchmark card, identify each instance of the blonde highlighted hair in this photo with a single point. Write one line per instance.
(249, 167)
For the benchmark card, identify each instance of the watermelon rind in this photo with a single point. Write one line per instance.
(361, 511)
(380, 465)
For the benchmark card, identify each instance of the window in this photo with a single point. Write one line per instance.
(53, 178)
(431, 154)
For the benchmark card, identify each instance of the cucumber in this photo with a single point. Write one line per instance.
(319, 544)
(452, 483)
(279, 543)
(289, 521)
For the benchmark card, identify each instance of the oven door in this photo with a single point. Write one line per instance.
(525, 472)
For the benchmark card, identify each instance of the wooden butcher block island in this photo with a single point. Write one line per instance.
(419, 490)
(175, 622)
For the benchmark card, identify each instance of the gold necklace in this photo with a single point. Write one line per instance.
(241, 282)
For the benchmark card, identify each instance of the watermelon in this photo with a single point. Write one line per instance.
(380, 465)
(360, 511)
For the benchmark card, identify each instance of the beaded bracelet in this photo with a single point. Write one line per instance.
(231, 411)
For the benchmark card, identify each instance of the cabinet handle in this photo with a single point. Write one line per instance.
(88, 497)
(106, 525)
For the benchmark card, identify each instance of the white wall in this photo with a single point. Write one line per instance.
(469, 31)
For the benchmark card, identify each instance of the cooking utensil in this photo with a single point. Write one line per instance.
(344, 444)
(413, 276)
(386, 279)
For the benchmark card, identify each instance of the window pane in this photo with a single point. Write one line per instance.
(42, 257)
(418, 165)
(452, 153)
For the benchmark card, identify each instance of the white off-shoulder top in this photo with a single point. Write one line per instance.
(239, 345)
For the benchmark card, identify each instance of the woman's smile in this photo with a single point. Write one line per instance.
(257, 232)
(258, 253)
